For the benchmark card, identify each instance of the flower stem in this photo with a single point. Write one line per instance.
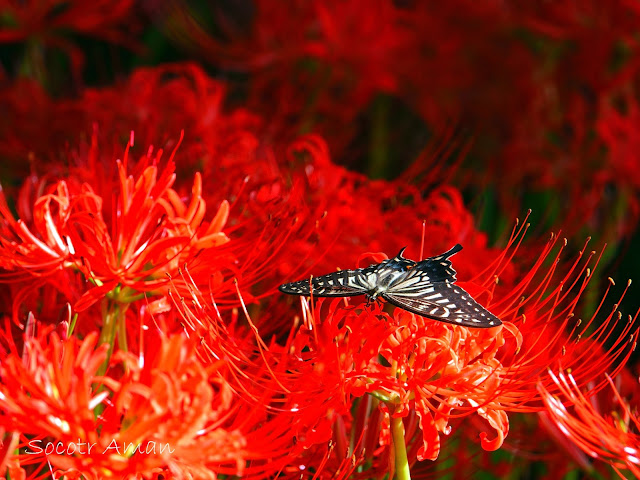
(113, 324)
(400, 449)
(109, 327)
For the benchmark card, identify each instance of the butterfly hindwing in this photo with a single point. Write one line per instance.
(445, 302)
(429, 271)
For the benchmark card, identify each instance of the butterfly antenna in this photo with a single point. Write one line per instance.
(424, 228)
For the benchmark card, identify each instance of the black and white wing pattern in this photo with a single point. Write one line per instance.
(349, 283)
(431, 270)
(445, 302)
(428, 289)
(344, 283)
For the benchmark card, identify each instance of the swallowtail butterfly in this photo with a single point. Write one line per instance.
(426, 288)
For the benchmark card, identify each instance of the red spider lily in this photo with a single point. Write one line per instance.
(550, 336)
(609, 436)
(216, 139)
(35, 18)
(433, 373)
(355, 74)
(431, 369)
(531, 81)
(123, 249)
(162, 411)
(620, 135)
(358, 214)
(47, 21)
(157, 103)
(233, 160)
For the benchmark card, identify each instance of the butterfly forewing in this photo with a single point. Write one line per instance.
(344, 283)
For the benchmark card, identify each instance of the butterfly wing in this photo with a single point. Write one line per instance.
(344, 283)
(444, 302)
(428, 289)
(425, 288)
(429, 271)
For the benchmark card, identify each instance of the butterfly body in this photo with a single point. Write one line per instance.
(426, 288)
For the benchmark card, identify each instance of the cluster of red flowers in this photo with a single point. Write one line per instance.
(145, 227)
(531, 81)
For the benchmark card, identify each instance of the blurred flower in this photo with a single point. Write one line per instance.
(158, 103)
(619, 178)
(50, 21)
(357, 214)
(23, 19)
(530, 82)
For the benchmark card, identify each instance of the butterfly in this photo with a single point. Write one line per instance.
(426, 288)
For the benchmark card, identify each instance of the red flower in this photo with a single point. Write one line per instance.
(551, 336)
(621, 137)
(357, 214)
(123, 248)
(160, 411)
(529, 80)
(610, 436)
(427, 374)
(157, 103)
(46, 21)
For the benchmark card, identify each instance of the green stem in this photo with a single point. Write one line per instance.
(108, 332)
(113, 315)
(122, 329)
(400, 449)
